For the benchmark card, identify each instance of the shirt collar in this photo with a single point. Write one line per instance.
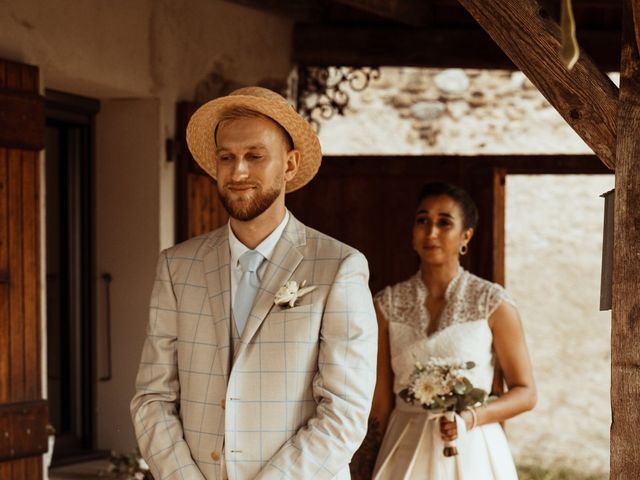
(266, 247)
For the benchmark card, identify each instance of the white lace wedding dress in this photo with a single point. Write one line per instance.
(412, 446)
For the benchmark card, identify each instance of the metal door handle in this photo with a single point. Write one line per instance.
(106, 277)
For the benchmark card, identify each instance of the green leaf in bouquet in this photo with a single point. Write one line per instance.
(470, 365)
(468, 383)
(450, 402)
(460, 388)
(478, 395)
(406, 395)
(438, 402)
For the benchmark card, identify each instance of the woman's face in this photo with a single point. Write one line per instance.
(438, 230)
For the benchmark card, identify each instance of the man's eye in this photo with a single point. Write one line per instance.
(254, 157)
(421, 220)
(225, 158)
(444, 223)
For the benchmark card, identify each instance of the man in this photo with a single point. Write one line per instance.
(235, 381)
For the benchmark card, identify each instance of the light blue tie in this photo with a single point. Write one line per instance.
(247, 288)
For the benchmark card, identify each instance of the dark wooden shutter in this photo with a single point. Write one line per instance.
(23, 413)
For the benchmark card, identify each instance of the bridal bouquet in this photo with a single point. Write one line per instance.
(440, 386)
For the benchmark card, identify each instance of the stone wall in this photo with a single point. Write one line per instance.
(453, 111)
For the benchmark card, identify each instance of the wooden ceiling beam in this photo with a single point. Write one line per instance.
(585, 97)
(299, 10)
(409, 12)
(320, 45)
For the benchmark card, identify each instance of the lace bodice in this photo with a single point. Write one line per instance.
(463, 331)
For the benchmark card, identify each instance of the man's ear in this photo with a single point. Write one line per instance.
(293, 162)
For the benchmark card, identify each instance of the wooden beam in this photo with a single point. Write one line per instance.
(322, 45)
(410, 12)
(585, 97)
(625, 325)
(299, 10)
(513, 164)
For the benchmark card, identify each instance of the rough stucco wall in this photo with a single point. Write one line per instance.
(98, 49)
(128, 48)
(153, 53)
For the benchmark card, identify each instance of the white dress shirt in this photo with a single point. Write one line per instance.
(266, 248)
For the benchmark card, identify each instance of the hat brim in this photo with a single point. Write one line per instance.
(202, 125)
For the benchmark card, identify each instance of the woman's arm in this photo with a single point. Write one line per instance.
(513, 356)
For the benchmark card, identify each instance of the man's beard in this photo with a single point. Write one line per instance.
(245, 209)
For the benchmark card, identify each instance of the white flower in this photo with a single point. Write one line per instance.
(142, 464)
(139, 476)
(290, 292)
(427, 386)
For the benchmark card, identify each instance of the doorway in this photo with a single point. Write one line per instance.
(70, 260)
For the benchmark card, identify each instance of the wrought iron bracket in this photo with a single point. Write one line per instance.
(324, 91)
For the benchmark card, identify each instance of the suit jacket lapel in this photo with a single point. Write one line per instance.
(285, 259)
(216, 268)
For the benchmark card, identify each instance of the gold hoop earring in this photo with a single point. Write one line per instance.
(463, 249)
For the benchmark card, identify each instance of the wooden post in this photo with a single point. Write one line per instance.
(625, 332)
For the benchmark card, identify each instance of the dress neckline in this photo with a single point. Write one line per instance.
(423, 294)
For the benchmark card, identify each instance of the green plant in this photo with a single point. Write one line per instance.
(536, 472)
(127, 466)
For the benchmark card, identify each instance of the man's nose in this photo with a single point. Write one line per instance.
(240, 169)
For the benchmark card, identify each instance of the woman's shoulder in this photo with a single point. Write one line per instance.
(483, 295)
(393, 299)
(398, 288)
(478, 283)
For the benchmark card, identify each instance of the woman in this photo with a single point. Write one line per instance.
(445, 311)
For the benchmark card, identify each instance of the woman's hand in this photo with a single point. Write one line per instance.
(449, 430)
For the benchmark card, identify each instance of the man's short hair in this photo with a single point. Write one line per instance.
(238, 112)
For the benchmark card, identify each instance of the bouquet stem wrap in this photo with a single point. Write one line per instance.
(450, 448)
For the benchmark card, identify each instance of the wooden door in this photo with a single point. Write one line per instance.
(23, 413)
(370, 203)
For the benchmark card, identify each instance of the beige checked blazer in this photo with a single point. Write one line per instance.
(293, 403)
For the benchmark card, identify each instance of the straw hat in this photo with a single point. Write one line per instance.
(202, 125)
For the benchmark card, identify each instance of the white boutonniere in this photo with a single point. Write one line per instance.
(290, 292)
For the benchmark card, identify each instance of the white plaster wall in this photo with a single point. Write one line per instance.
(139, 58)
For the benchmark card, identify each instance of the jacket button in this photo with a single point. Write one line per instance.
(215, 456)
(223, 403)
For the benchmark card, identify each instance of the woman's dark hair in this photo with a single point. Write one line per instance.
(459, 195)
